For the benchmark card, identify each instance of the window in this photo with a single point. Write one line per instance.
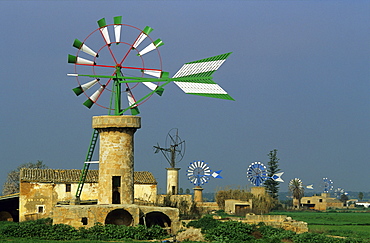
(116, 184)
(84, 221)
(116, 181)
(308, 201)
(68, 187)
(320, 200)
(40, 208)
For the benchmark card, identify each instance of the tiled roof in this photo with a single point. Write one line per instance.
(73, 176)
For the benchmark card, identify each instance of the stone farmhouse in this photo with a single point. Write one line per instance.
(320, 203)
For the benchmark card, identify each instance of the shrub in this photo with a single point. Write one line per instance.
(231, 231)
(269, 232)
(205, 223)
(44, 230)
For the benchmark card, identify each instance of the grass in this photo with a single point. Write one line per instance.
(345, 224)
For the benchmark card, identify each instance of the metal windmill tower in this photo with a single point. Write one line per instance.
(173, 151)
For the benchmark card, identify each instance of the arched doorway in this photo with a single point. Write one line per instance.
(155, 218)
(119, 217)
(5, 216)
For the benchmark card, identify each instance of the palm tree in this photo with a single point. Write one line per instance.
(297, 190)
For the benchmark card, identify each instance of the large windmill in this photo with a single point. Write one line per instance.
(118, 65)
(110, 64)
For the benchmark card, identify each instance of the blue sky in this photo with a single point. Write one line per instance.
(299, 74)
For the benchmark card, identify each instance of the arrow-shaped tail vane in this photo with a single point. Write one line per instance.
(277, 177)
(216, 174)
(310, 186)
(202, 68)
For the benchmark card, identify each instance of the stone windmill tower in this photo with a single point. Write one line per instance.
(116, 158)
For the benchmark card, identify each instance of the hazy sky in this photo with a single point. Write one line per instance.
(299, 74)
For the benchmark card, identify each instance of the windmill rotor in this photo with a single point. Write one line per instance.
(338, 192)
(103, 64)
(327, 185)
(199, 173)
(174, 149)
(257, 173)
(107, 57)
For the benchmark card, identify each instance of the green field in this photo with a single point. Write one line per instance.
(345, 224)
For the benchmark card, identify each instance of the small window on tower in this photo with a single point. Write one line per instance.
(68, 187)
(40, 208)
(84, 221)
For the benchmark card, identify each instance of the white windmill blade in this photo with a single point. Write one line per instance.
(79, 60)
(94, 97)
(104, 30)
(154, 73)
(152, 46)
(195, 77)
(80, 89)
(150, 85)
(131, 101)
(84, 48)
(117, 28)
(142, 36)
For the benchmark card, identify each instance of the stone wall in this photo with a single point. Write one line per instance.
(87, 215)
(278, 221)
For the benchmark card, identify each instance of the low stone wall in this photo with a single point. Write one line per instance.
(278, 221)
(87, 215)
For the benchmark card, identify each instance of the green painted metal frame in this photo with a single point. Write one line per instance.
(90, 152)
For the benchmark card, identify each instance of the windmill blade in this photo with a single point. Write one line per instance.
(93, 98)
(117, 28)
(154, 87)
(79, 60)
(152, 46)
(104, 30)
(83, 47)
(80, 89)
(142, 36)
(132, 101)
(277, 177)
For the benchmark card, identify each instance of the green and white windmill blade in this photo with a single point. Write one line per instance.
(146, 96)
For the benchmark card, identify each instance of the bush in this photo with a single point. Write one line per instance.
(205, 223)
(44, 230)
(231, 231)
(269, 232)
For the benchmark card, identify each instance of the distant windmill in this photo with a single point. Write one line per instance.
(199, 173)
(327, 185)
(173, 151)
